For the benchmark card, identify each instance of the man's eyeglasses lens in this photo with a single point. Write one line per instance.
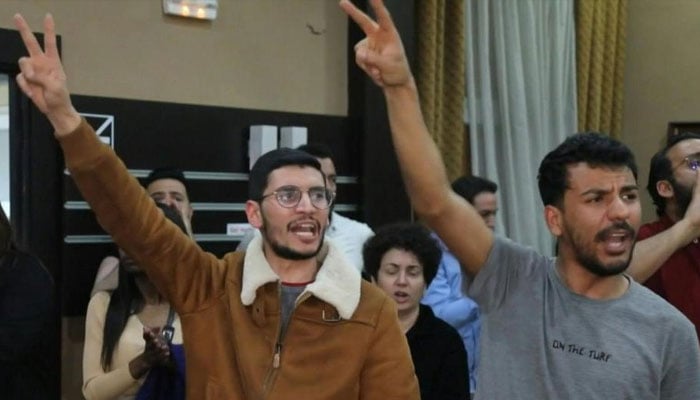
(290, 196)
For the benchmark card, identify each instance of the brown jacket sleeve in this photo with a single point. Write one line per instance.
(189, 277)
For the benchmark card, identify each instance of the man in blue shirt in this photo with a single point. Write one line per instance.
(446, 294)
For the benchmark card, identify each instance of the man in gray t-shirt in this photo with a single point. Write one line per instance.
(571, 327)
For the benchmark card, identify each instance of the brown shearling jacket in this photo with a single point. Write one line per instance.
(343, 340)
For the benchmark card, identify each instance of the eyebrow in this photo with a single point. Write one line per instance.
(599, 191)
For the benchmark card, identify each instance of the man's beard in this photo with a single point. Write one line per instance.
(590, 261)
(683, 196)
(287, 252)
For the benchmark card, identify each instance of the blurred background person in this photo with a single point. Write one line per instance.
(27, 315)
(446, 294)
(133, 338)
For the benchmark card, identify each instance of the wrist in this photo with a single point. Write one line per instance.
(407, 88)
(64, 121)
(138, 367)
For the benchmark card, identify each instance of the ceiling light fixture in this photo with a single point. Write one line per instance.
(199, 9)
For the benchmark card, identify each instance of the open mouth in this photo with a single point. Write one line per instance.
(616, 239)
(305, 229)
(401, 297)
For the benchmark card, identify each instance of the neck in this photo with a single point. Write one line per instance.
(587, 284)
(672, 212)
(293, 271)
(408, 318)
(148, 290)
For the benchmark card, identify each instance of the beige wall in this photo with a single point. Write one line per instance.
(257, 54)
(662, 76)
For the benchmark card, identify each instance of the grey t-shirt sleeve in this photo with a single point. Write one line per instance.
(508, 265)
(681, 372)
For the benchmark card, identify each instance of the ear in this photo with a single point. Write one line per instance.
(254, 214)
(664, 189)
(554, 218)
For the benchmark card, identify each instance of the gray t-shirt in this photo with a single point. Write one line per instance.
(542, 341)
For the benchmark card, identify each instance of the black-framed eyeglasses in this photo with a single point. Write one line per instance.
(290, 196)
(692, 162)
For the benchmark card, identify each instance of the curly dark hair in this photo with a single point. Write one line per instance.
(405, 236)
(595, 149)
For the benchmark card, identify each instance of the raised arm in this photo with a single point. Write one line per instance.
(650, 253)
(381, 55)
(186, 275)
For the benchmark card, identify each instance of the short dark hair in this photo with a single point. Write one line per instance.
(660, 169)
(167, 173)
(272, 160)
(595, 149)
(405, 236)
(316, 149)
(469, 186)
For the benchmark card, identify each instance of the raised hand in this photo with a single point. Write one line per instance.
(380, 54)
(42, 78)
(692, 214)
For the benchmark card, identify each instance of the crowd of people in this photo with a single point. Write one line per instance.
(447, 309)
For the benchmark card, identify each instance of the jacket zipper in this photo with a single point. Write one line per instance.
(277, 355)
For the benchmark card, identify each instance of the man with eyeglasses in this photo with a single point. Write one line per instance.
(347, 234)
(288, 319)
(673, 177)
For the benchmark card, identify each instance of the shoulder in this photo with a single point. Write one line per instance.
(99, 301)
(436, 324)
(374, 305)
(654, 308)
(25, 271)
(652, 228)
(515, 256)
(343, 223)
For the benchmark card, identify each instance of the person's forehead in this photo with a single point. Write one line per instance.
(302, 176)
(166, 185)
(400, 257)
(485, 199)
(582, 177)
(683, 149)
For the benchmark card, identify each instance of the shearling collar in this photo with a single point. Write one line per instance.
(337, 282)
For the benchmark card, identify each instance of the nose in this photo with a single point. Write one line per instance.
(401, 278)
(305, 203)
(618, 210)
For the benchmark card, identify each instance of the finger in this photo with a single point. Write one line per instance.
(50, 37)
(383, 17)
(23, 85)
(27, 69)
(361, 19)
(28, 37)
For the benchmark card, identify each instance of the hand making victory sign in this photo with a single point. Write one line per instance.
(42, 79)
(380, 54)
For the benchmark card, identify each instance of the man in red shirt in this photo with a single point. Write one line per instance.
(673, 176)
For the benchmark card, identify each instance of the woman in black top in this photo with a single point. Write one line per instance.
(403, 259)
